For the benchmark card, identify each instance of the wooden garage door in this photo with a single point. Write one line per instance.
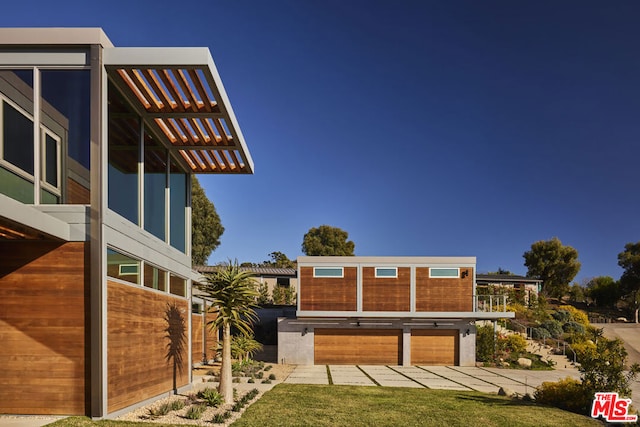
(434, 347)
(358, 347)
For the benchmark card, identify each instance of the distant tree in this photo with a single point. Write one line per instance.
(326, 241)
(629, 260)
(278, 295)
(206, 227)
(576, 293)
(279, 260)
(263, 294)
(501, 272)
(603, 290)
(555, 264)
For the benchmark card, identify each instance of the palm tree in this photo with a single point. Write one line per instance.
(233, 295)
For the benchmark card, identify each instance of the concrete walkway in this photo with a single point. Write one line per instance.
(486, 380)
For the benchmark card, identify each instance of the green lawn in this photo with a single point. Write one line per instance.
(333, 405)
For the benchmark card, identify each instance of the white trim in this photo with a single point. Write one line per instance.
(431, 276)
(121, 273)
(394, 276)
(341, 276)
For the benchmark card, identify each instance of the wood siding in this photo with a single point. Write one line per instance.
(444, 294)
(211, 337)
(147, 344)
(328, 293)
(386, 294)
(77, 194)
(358, 346)
(43, 328)
(434, 347)
(197, 341)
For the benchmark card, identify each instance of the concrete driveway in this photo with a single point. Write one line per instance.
(487, 380)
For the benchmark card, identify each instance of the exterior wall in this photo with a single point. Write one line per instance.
(43, 327)
(386, 294)
(296, 337)
(77, 194)
(147, 344)
(197, 338)
(443, 294)
(328, 293)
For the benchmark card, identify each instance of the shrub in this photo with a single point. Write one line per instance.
(251, 381)
(176, 405)
(567, 394)
(272, 376)
(573, 328)
(554, 327)
(161, 410)
(514, 343)
(540, 333)
(267, 381)
(259, 375)
(211, 396)
(578, 316)
(484, 343)
(268, 367)
(561, 316)
(195, 412)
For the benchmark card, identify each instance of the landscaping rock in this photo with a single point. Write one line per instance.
(524, 362)
(504, 391)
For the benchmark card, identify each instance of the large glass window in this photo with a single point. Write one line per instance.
(178, 286)
(17, 137)
(155, 278)
(178, 203)
(155, 179)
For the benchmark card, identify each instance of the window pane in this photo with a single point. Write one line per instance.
(154, 277)
(17, 138)
(444, 272)
(327, 272)
(123, 267)
(178, 286)
(16, 187)
(66, 99)
(178, 204)
(155, 173)
(48, 198)
(386, 272)
(51, 160)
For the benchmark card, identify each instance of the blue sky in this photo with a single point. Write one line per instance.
(420, 127)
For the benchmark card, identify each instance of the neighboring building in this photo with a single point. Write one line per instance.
(494, 284)
(286, 278)
(386, 311)
(97, 148)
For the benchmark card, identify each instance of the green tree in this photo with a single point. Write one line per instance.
(279, 260)
(278, 295)
(326, 241)
(263, 294)
(243, 347)
(206, 227)
(629, 260)
(501, 271)
(603, 290)
(233, 294)
(555, 264)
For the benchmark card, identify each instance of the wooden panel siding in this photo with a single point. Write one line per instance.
(443, 294)
(358, 346)
(386, 294)
(197, 342)
(434, 346)
(328, 293)
(77, 194)
(141, 351)
(43, 328)
(211, 338)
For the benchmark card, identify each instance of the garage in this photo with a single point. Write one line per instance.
(434, 347)
(358, 347)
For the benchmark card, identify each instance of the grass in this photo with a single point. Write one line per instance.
(333, 405)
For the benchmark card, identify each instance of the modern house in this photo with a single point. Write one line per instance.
(97, 148)
(494, 284)
(386, 311)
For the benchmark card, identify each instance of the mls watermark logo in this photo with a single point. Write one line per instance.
(612, 408)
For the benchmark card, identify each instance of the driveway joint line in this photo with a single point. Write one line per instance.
(407, 377)
(368, 376)
(448, 379)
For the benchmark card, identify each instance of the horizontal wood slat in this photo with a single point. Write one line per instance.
(438, 294)
(77, 194)
(434, 347)
(386, 294)
(43, 328)
(324, 294)
(140, 359)
(361, 346)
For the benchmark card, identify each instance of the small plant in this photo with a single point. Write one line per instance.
(260, 375)
(236, 379)
(176, 405)
(195, 412)
(266, 381)
(251, 381)
(192, 398)
(268, 367)
(161, 410)
(221, 418)
(211, 396)
(237, 407)
(272, 376)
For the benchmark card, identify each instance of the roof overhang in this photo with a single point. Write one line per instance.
(24, 222)
(179, 94)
